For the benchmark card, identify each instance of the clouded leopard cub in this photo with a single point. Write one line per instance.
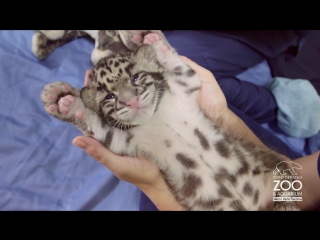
(144, 104)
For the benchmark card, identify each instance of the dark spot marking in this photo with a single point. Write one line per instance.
(224, 175)
(108, 139)
(128, 68)
(109, 69)
(102, 73)
(182, 83)
(156, 75)
(142, 80)
(249, 147)
(256, 197)
(237, 205)
(190, 72)
(148, 84)
(167, 143)
(256, 171)
(109, 80)
(123, 103)
(129, 137)
(247, 189)
(146, 95)
(222, 148)
(177, 71)
(227, 138)
(209, 204)
(110, 62)
(186, 161)
(223, 191)
(105, 104)
(244, 169)
(191, 183)
(116, 64)
(203, 141)
(120, 70)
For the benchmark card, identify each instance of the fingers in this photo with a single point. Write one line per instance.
(197, 68)
(205, 75)
(97, 151)
(201, 71)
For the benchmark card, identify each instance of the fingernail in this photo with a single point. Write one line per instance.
(81, 144)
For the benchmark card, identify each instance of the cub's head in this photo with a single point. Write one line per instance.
(125, 89)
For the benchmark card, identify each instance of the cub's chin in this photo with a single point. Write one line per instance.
(139, 116)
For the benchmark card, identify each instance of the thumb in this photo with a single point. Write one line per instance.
(95, 150)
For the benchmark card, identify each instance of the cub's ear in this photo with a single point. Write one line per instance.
(146, 52)
(87, 95)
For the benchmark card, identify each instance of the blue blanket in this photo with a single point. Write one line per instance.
(40, 169)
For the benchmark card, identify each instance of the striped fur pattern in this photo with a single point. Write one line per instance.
(205, 167)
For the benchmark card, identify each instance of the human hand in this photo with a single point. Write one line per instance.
(211, 98)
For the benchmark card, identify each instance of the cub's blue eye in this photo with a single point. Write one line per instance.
(134, 78)
(110, 96)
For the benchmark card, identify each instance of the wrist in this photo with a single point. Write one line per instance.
(160, 194)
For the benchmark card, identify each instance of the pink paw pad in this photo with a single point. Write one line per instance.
(52, 108)
(153, 37)
(164, 48)
(79, 114)
(50, 97)
(65, 103)
(55, 89)
(65, 88)
(136, 38)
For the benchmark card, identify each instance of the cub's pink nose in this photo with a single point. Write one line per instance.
(134, 102)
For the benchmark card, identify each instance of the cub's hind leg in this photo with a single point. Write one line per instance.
(46, 41)
(132, 39)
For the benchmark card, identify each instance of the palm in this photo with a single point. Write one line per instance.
(135, 170)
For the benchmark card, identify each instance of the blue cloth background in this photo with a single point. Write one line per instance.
(39, 167)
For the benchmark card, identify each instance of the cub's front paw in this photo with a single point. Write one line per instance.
(62, 101)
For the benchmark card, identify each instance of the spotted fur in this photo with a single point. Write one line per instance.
(107, 42)
(205, 168)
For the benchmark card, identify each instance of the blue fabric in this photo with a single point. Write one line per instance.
(298, 106)
(39, 167)
(314, 143)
